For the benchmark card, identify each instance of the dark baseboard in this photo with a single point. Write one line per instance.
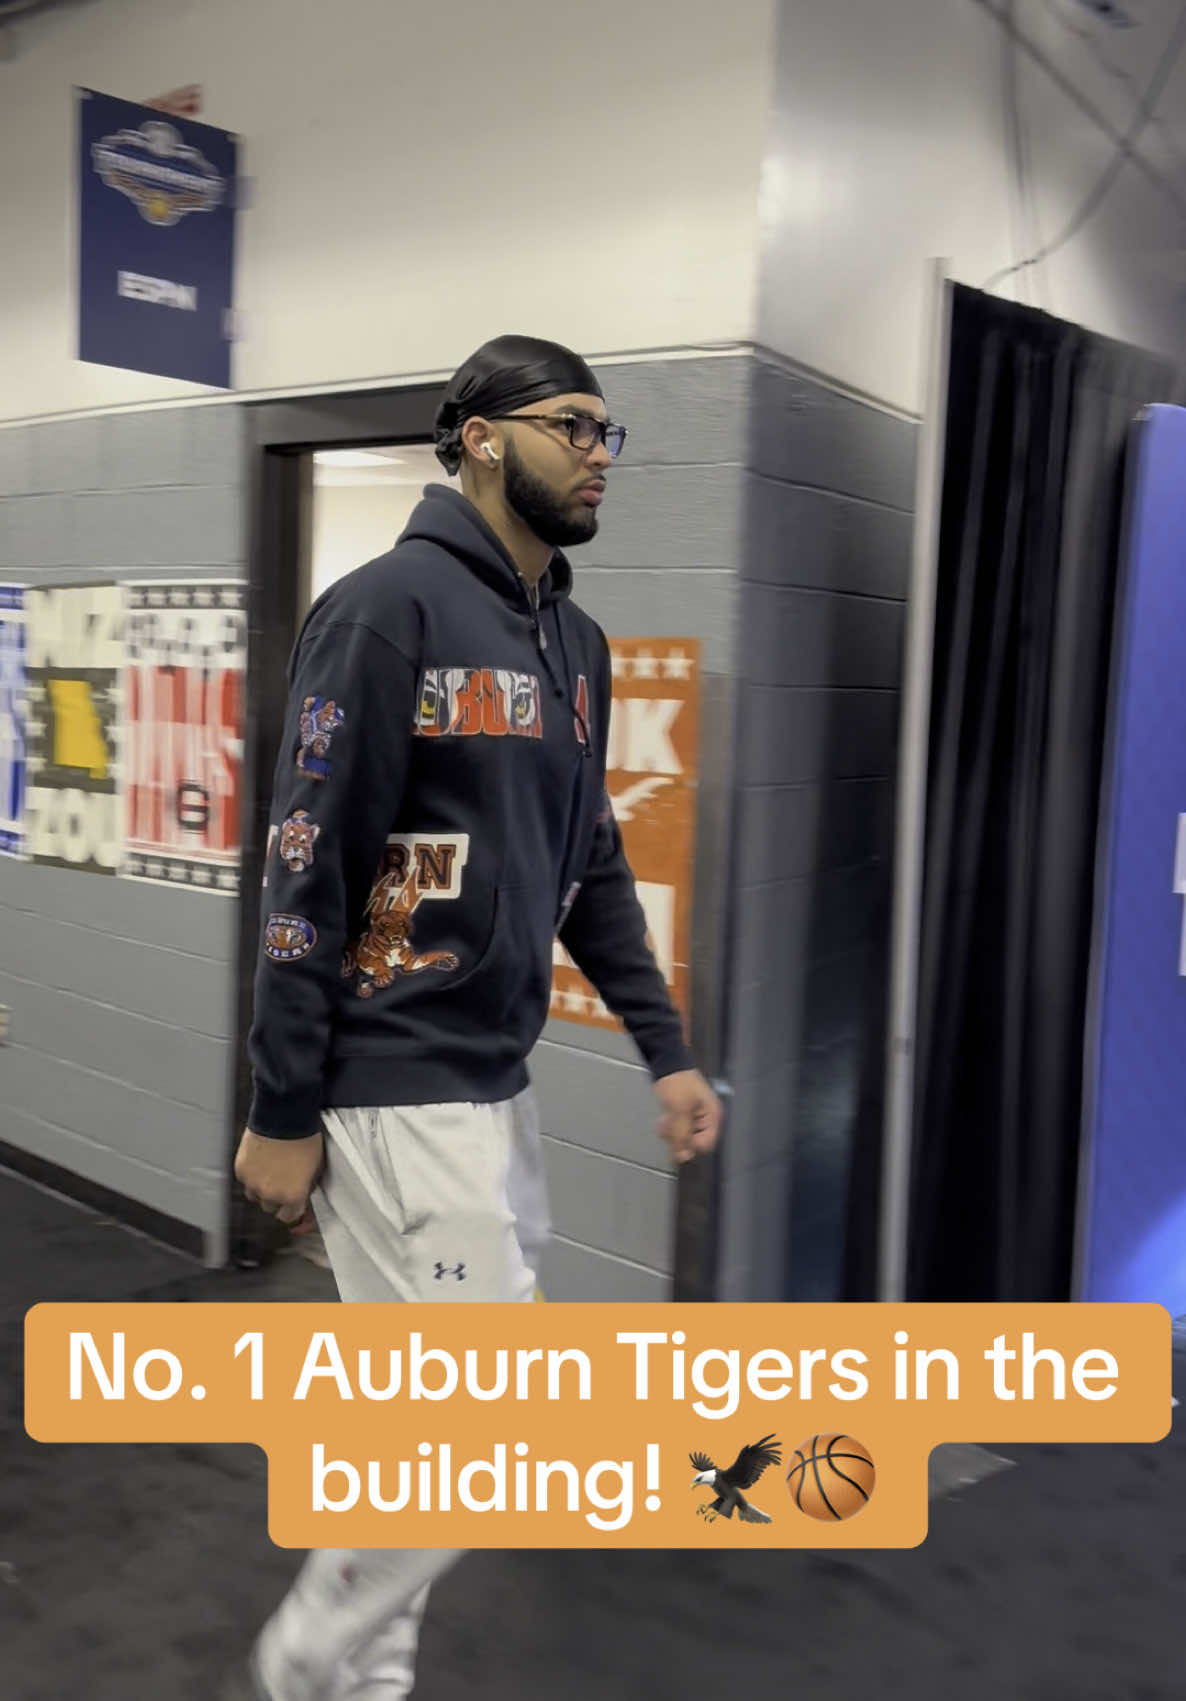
(168, 1230)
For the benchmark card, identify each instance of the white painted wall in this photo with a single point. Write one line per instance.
(355, 523)
(888, 147)
(424, 176)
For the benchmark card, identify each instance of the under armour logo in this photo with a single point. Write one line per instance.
(443, 1270)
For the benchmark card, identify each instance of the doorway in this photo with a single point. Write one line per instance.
(332, 482)
(362, 500)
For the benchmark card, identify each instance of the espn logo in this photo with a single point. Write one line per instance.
(158, 290)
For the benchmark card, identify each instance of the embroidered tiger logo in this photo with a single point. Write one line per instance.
(320, 719)
(386, 949)
(298, 835)
(288, 938)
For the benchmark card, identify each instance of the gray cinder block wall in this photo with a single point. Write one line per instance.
(769, 516)
(828, 526)
(118, 1066)
(757, 512)
(666, 563)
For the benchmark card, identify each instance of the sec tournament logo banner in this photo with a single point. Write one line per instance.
(156, 200)
(186, 651)
(651, 775)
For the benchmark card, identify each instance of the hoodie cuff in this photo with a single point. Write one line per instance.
(665, 1054)
(285, 1116)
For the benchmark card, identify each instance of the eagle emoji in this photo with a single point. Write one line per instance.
(727, 1485)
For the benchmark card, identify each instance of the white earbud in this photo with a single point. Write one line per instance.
(489, 453)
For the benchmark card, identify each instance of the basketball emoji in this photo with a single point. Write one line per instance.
(830, 1477)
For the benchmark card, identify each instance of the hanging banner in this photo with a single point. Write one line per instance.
(651, 774)
(156, 209)
(13, 688)
(74, 657)
(1134, 1231)
(186, 650)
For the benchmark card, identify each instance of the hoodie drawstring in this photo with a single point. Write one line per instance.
(531, 592)
(581, 721)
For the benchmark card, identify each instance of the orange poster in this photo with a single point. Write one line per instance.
(652, 772)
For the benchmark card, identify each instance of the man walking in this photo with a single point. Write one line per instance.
(439, 816)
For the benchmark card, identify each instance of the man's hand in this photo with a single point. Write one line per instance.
(691, 1119)
(278, 1175)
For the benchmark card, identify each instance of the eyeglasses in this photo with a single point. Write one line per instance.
(583, 430)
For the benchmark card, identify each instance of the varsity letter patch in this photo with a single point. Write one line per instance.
(288, 938)
(320, 719)
(297, 838)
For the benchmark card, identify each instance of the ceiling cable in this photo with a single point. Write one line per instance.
(1084, 34)
(1116, 164)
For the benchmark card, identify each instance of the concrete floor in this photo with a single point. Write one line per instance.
(138, 1573)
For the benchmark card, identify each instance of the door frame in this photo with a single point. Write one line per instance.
(281, 439)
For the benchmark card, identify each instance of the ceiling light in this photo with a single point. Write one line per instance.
(356, 458)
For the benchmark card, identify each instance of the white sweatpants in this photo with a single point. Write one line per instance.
(442, 1202)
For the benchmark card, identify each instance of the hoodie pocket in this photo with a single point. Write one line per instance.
(490, 956)
(386, 1134)
(513, 974)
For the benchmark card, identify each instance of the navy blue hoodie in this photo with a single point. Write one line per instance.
(439, 815)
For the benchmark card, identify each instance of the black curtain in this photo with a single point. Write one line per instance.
(1038, 419)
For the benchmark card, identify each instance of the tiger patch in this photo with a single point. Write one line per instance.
(320, 719)
(298, 835)
(288, 938)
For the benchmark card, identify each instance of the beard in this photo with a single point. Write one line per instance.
(554, 521)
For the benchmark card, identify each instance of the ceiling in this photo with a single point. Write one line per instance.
(10, 8)
(1111, 50)
(390, 465)
(20, 21)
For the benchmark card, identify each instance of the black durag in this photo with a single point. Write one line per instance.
(504, 375)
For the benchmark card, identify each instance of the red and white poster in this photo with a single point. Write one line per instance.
(651, 773)
(185, 657)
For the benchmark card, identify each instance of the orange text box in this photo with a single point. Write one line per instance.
(564, 1425)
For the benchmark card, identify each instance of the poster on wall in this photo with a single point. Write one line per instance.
(652, 772)
(12, 719)
(156, 240)
(74, 658)
(186, 655)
